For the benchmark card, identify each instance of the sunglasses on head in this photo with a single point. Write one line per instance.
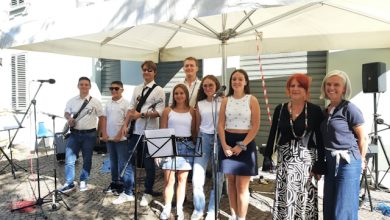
(114, 88)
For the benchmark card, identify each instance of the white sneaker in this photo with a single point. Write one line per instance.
(180, 214)
(232, 217)
(166, 212)
(210, 216)
(196, 215)
(123, 197)
(83, 186)
(146, 199)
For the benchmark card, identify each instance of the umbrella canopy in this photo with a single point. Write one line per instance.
(171, 30)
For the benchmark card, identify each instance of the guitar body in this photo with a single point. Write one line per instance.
(66, 129)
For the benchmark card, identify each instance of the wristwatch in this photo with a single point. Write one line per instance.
(142, 115)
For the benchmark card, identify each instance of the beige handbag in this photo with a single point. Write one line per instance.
(274, 156)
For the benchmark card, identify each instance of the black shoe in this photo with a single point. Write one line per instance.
(67, 188)
(111, 188)
(156, 194)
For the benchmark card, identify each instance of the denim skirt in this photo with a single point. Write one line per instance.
(184, 160)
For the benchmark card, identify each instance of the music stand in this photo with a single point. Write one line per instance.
(10, 159)
(162, 143)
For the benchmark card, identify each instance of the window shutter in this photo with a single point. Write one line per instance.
(19, 92)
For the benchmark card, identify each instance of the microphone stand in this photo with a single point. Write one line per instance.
(56, 194)
(39, 201)
(215, 160)
(134, 152)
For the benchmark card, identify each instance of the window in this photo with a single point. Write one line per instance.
(18, 8)
(15, 3)
(19, 92)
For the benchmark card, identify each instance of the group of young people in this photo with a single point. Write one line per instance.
(310, 143)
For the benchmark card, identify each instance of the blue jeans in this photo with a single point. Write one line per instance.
(119, 154)
(76, 142)
(199, 174)
(147, 161)
(341, 192)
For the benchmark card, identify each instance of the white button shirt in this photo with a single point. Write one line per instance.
(115, 112)
(87, 118)
(157, 94)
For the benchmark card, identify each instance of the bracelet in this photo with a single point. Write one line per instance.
(241, 145)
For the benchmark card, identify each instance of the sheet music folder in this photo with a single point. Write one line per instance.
(161, 142)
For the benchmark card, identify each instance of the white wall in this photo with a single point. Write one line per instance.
(51, 98)
(351, 62)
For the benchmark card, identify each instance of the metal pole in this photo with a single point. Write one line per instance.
(224, 63)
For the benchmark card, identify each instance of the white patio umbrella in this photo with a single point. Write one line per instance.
(172, 30)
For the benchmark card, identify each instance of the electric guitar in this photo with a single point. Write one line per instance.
(66, 129)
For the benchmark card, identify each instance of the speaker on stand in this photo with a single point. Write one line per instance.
(374, 81)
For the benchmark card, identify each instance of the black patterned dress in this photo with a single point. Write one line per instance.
(298, 156)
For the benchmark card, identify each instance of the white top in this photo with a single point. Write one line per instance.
(89, 121)
(155, 95)
(192, 91)
(115, 112)
(207, 110)
(238, 113)
(181, 123)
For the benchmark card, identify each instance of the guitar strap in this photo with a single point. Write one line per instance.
(139, 106)
(85, 103)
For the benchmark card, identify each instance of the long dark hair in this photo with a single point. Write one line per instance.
(201, 95)
(246, 88)
(184, 87)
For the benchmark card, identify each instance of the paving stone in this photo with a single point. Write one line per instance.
(94, 204)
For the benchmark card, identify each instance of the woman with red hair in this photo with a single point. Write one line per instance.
(295, 131)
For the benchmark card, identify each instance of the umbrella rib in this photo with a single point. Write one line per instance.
(207, 27)
(173, 35)
(224, 20)
(357, 12)
(196, 29)
(108, 39)
(181, 30)
(279, 17)
(247, 16)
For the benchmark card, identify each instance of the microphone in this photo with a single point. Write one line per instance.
(153, 106)
(220, 91)
(51, 81)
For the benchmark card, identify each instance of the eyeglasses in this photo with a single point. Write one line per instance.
(208, 85)
(147, 70)
(114, 88)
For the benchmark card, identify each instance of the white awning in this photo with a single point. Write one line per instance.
(171, 30)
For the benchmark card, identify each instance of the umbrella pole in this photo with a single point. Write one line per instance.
(224, 63)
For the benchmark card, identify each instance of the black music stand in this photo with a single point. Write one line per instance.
(162, 143)
(10, 158)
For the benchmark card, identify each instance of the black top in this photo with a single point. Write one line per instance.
(312, 138)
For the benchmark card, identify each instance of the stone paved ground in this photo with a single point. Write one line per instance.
(94, 204)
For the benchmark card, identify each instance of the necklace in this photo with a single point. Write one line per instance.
(291, 121)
